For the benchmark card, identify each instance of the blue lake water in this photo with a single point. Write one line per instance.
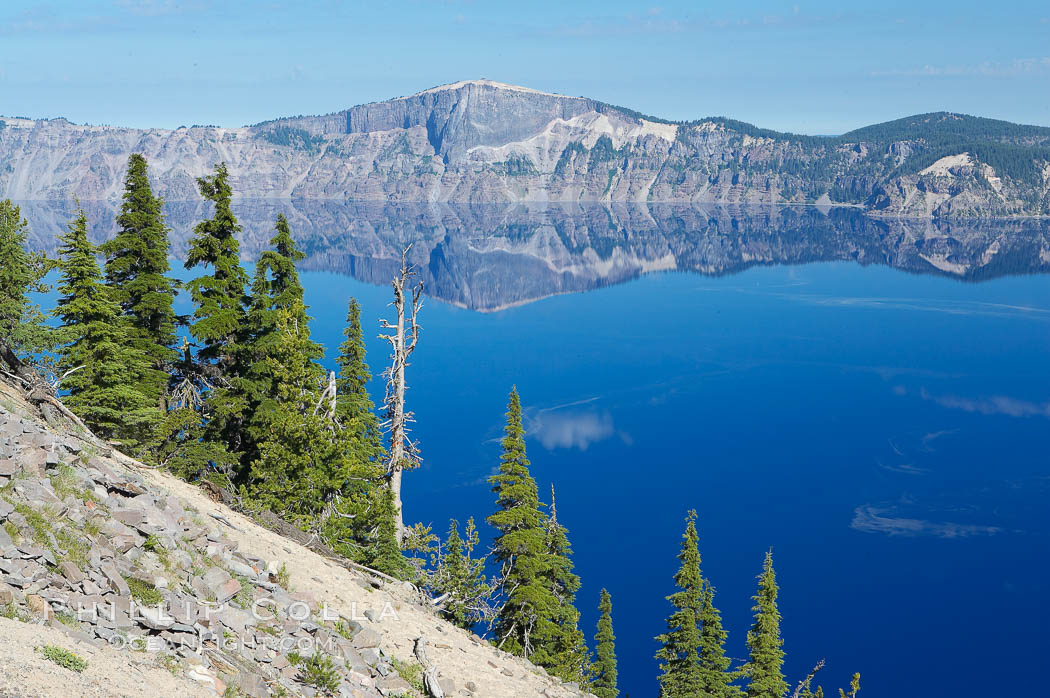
(885, 432)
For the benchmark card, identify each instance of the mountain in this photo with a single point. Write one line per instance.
(481, 141)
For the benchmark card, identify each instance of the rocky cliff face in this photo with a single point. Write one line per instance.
(481, 141)
(166, 592)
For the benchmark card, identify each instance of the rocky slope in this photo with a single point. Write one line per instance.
(163, 591)
(482, 141)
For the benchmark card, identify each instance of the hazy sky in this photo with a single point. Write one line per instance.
(807, 66)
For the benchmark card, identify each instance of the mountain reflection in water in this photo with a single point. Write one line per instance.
(488, 257)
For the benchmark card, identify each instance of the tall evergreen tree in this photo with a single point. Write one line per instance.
(355, 406)
(218, 296)
(605, 673)
(277, 307)
(520, 546)
(137, 274)
(679, 655)
(715, 676)
(561, 647)
(101, 370)
(219, 318)
(355, 525)
(765, 662)
(302, 459)
(21, 323)
(276, 286)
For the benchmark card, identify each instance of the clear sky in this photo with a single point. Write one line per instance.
(808, 66)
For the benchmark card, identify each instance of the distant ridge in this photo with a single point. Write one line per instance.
(478, 141)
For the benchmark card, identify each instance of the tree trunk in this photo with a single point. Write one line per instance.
(396, 412)
(403, 338)
(36, 388)
(8, 356)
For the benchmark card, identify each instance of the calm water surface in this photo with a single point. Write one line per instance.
(886, 433)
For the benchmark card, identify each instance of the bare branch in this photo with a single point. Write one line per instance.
(431, 686)
(69, 373)
(805, 683)
(14, 377)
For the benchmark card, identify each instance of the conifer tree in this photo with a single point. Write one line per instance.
(308, 468)
(354, 524)
(276, 289)
(137, 274)
(384, 552)
(354, 405)
(218, 296)
(100, 369)
(520, 546)
(605, 673)
(460, 579)
(21, 323)
(219, 316)
(307, 464)
(302, 458)
(277, 298)
(715, 676)
(179, 442)
(561, 647)
(765, 662)
(679, 655)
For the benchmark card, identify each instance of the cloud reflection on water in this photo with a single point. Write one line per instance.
(556, 429)
(998, 404)
(876, 519)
